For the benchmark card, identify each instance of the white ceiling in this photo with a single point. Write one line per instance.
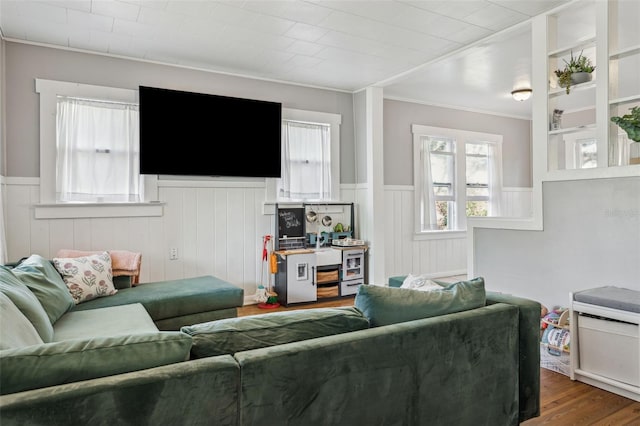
(345, 45)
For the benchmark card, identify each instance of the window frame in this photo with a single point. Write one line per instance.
(49, 206)
(334, 121)
(460, 138)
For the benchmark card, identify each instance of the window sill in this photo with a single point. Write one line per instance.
(439, 235)
(95, 210)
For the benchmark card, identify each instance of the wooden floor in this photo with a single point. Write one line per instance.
(563, 402)
(567, 402)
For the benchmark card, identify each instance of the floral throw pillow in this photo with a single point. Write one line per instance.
(87, 277)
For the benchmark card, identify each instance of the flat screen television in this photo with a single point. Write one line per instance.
(197, 134)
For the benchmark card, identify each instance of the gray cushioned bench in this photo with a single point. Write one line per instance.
(623, 299)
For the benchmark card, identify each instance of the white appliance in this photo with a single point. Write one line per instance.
(301, 278)
(352, 271)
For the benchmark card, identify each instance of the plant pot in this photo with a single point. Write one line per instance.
(580, 77)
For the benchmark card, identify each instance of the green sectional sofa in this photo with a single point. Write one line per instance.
(395, 357)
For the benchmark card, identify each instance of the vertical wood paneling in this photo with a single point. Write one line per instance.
(17, 225)
(220, 226)
(393, 235)
(39, 233)
(120, 232)
(188, 240)
(250, 250)
(517, 202)
(81, 238)
(235, 237)
(61, 236)
(407, 220)
(152, 257)
(102, 233)
(219, 231)
(205, 237)
(172, 227)
(138, 238)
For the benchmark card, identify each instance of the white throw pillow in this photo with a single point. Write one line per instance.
(87, 277)
(420, 282)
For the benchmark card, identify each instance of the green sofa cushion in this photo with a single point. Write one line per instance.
(232, 335)
(16, 331)
(175, 298)
(45, 282)
(396, 281)
(27, 302)
(83, 359)
(389, 305)
(104, 322)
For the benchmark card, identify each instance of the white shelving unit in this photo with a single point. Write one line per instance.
(609, 35)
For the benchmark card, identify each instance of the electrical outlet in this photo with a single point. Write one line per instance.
(173, 253)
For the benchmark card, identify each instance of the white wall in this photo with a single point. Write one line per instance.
(590, 238)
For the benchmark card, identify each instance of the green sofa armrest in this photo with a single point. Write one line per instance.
(529, 347)
(529, 350)
(198, 392)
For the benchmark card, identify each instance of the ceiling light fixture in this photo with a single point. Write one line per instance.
(521, 94)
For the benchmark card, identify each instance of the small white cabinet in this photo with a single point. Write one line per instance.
(605, 348)
(296, 277)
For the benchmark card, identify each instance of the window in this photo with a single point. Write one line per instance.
(477, 182)
(97, 147)
(456, 174)
(587, 153)
(88, 153)
(310, 158)
(306, 161)
(578, 150)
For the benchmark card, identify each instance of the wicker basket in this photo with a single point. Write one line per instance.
(331, 291)
(327, 276)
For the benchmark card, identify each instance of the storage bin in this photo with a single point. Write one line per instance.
(331, 291)
(609, 348)
(327, 276)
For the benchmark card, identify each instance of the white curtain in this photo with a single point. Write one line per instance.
(494, 165)
(97, 148)
(621, 150)
(428, 208)
(306, 161)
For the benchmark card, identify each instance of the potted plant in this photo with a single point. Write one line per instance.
(630, 123)
(577, 70)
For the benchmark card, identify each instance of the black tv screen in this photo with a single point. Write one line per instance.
(196, 134)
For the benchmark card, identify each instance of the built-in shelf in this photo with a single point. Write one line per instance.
(632, 50)
(625, 100)
(572, 129)
(574, 87)
(583, 44)
(607, 36)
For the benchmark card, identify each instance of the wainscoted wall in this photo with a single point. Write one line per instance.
(439, 255)
(218, 229)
